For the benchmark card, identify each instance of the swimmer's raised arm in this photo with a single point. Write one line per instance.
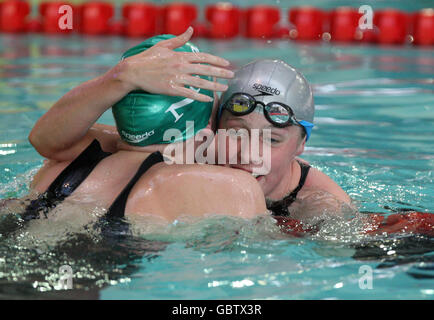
(63, 132)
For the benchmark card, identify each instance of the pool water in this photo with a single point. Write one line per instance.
(373, 135)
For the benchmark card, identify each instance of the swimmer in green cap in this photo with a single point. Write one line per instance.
(142, 117)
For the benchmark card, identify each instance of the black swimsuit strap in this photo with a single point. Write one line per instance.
(303, 175)
(67, 181)
(117, 209)
(280, 208)
(77, 171)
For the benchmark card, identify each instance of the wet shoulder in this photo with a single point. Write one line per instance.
(198, 189)
(317, 180)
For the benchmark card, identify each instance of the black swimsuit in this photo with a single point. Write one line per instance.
(117, 209)
(280, 208)
(75, 173)
(79, 169)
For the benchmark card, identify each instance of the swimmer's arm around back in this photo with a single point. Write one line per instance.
(63, 132)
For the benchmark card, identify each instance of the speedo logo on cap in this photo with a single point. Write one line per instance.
(136, 138)
(266, 90)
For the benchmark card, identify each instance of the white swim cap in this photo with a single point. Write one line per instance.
(273, 81)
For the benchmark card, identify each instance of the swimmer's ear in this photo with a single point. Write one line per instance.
(300, 148)
(178, 41)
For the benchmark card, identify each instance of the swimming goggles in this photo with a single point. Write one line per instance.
(277, 113)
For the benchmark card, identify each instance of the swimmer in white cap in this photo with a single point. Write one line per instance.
(270, 94)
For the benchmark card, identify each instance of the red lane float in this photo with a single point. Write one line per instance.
(200, 30)
(308, 23)
(34, 25)
(343, 24)
(95, 17)
(13, 16)
(392, 26)
(423, 27)
(368, 35)
(177, 17)
(281, 32)
(140, 19)
(261, 21)
(224, 20)
(412, 222)
(116, 28)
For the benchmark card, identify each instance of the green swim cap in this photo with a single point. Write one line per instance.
(142, 118)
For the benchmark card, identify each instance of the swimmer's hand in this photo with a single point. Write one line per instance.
(162, 70)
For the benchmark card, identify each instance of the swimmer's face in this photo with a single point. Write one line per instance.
(284, 145)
